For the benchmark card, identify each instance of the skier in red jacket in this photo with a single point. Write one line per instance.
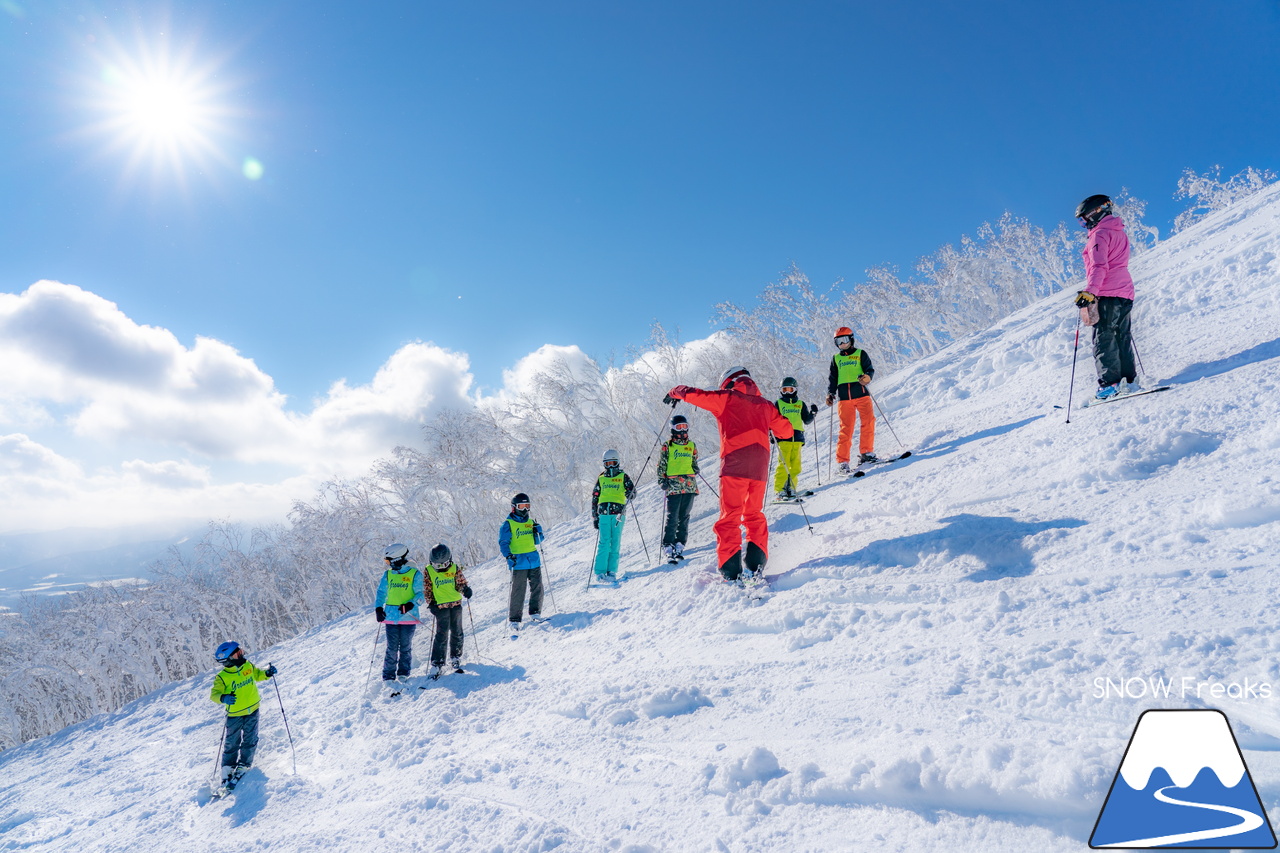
(745, 420)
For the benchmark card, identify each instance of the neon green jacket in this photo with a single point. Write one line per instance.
(239, 680)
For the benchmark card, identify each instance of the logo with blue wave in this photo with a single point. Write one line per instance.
(1183, 783)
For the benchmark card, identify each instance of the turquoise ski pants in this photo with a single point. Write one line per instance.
(610, 544)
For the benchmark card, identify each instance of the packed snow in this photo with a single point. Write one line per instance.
(954, 658)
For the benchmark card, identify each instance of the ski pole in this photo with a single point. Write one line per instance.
(831, 437)
(648, 560)
(475, 641)
(377, 632)
(806, 517)
(217, 756)
(656, 441)
(708, 485)
(285, 717)
(547, 580)
(885, 418)
(595, 552)
(1071, 390)
(1134, 346)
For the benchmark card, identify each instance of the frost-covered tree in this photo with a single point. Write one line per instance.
(1210, 192)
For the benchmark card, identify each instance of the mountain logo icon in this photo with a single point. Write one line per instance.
(1183, 783)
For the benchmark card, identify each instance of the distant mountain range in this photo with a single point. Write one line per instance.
(61, 561)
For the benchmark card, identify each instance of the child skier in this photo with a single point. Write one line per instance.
(786, 480)
(608, 510)
(236, 688)
(851, 372)
(678, 476)
(444, 599)
(1108, 282)
(518, 540)
(397, 606)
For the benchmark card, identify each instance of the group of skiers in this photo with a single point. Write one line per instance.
(748, 424)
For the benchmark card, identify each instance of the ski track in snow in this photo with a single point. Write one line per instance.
(920, 677)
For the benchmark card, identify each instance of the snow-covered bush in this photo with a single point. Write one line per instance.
(1211, 192)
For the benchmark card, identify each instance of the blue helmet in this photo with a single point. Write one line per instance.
(224, 652)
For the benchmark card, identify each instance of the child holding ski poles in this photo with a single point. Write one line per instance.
(608, 510)
(786, 480)
(445, 593)
(678, 476)
(235, 687)
(396, 605)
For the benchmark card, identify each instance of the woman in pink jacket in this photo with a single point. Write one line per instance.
(1107, 282)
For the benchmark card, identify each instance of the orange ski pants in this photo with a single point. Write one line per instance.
(850, 409)
(740, 506)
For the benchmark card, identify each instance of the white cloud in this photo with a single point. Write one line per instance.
(169, 474)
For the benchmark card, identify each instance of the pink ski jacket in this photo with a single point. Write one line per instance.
(1106, 260)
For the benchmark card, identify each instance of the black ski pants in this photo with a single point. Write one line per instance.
(1113, 341)
(520, 578)
(678, 509)
(241, 740)
(448, 632)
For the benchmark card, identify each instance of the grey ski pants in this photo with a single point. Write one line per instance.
(242, 740)
(1113, 341)
(399, 657)
(520, 578)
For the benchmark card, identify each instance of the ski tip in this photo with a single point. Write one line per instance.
(904, 454)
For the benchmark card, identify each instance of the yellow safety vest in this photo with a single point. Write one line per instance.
(791, 411)
(680, 459)
(400, 586)
(522, 537)
(849, 367)
(613, 490)
(444, 585)
(240, 680)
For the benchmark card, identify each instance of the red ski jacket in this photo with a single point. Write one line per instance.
(745, 420)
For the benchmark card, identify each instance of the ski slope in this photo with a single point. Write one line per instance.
(923, 677)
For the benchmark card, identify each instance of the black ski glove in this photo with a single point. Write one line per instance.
(595, 522)
(466, 592)
(435, 611)
(668, 401)
(271, 670)
(406, 607)
(511, 560)
(379, 614)
(813, 409)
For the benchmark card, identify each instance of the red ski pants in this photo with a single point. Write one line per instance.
(850, 409)
(740, 506)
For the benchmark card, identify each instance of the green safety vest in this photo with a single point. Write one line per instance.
(242, 681)
(849, 367)
(522, 537)
(444, 585)
(679, 459)
(791, 411)
(613, 490)
(400, 586)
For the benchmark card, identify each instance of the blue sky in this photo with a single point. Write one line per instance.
(492, 177)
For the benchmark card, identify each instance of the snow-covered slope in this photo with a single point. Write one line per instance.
(930, 673)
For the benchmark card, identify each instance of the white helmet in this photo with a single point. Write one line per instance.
(611, 458)
(395, 552)
(726, 379)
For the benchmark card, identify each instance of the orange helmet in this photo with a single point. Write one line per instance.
(844, 330)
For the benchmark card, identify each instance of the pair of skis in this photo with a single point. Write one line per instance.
(863, 467)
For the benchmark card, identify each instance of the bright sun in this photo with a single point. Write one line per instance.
(161, 109)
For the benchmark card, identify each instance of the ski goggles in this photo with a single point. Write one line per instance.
(843, 341)
(443, 566)
(679, 427)
(521, 507)
(788, 389)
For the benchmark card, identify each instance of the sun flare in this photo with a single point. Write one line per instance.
(160, 110)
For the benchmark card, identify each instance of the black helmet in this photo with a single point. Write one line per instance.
(1092, 209)
(520, 498)
(441, 555)
(520, 506)
(788, 382)
(679, 421)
